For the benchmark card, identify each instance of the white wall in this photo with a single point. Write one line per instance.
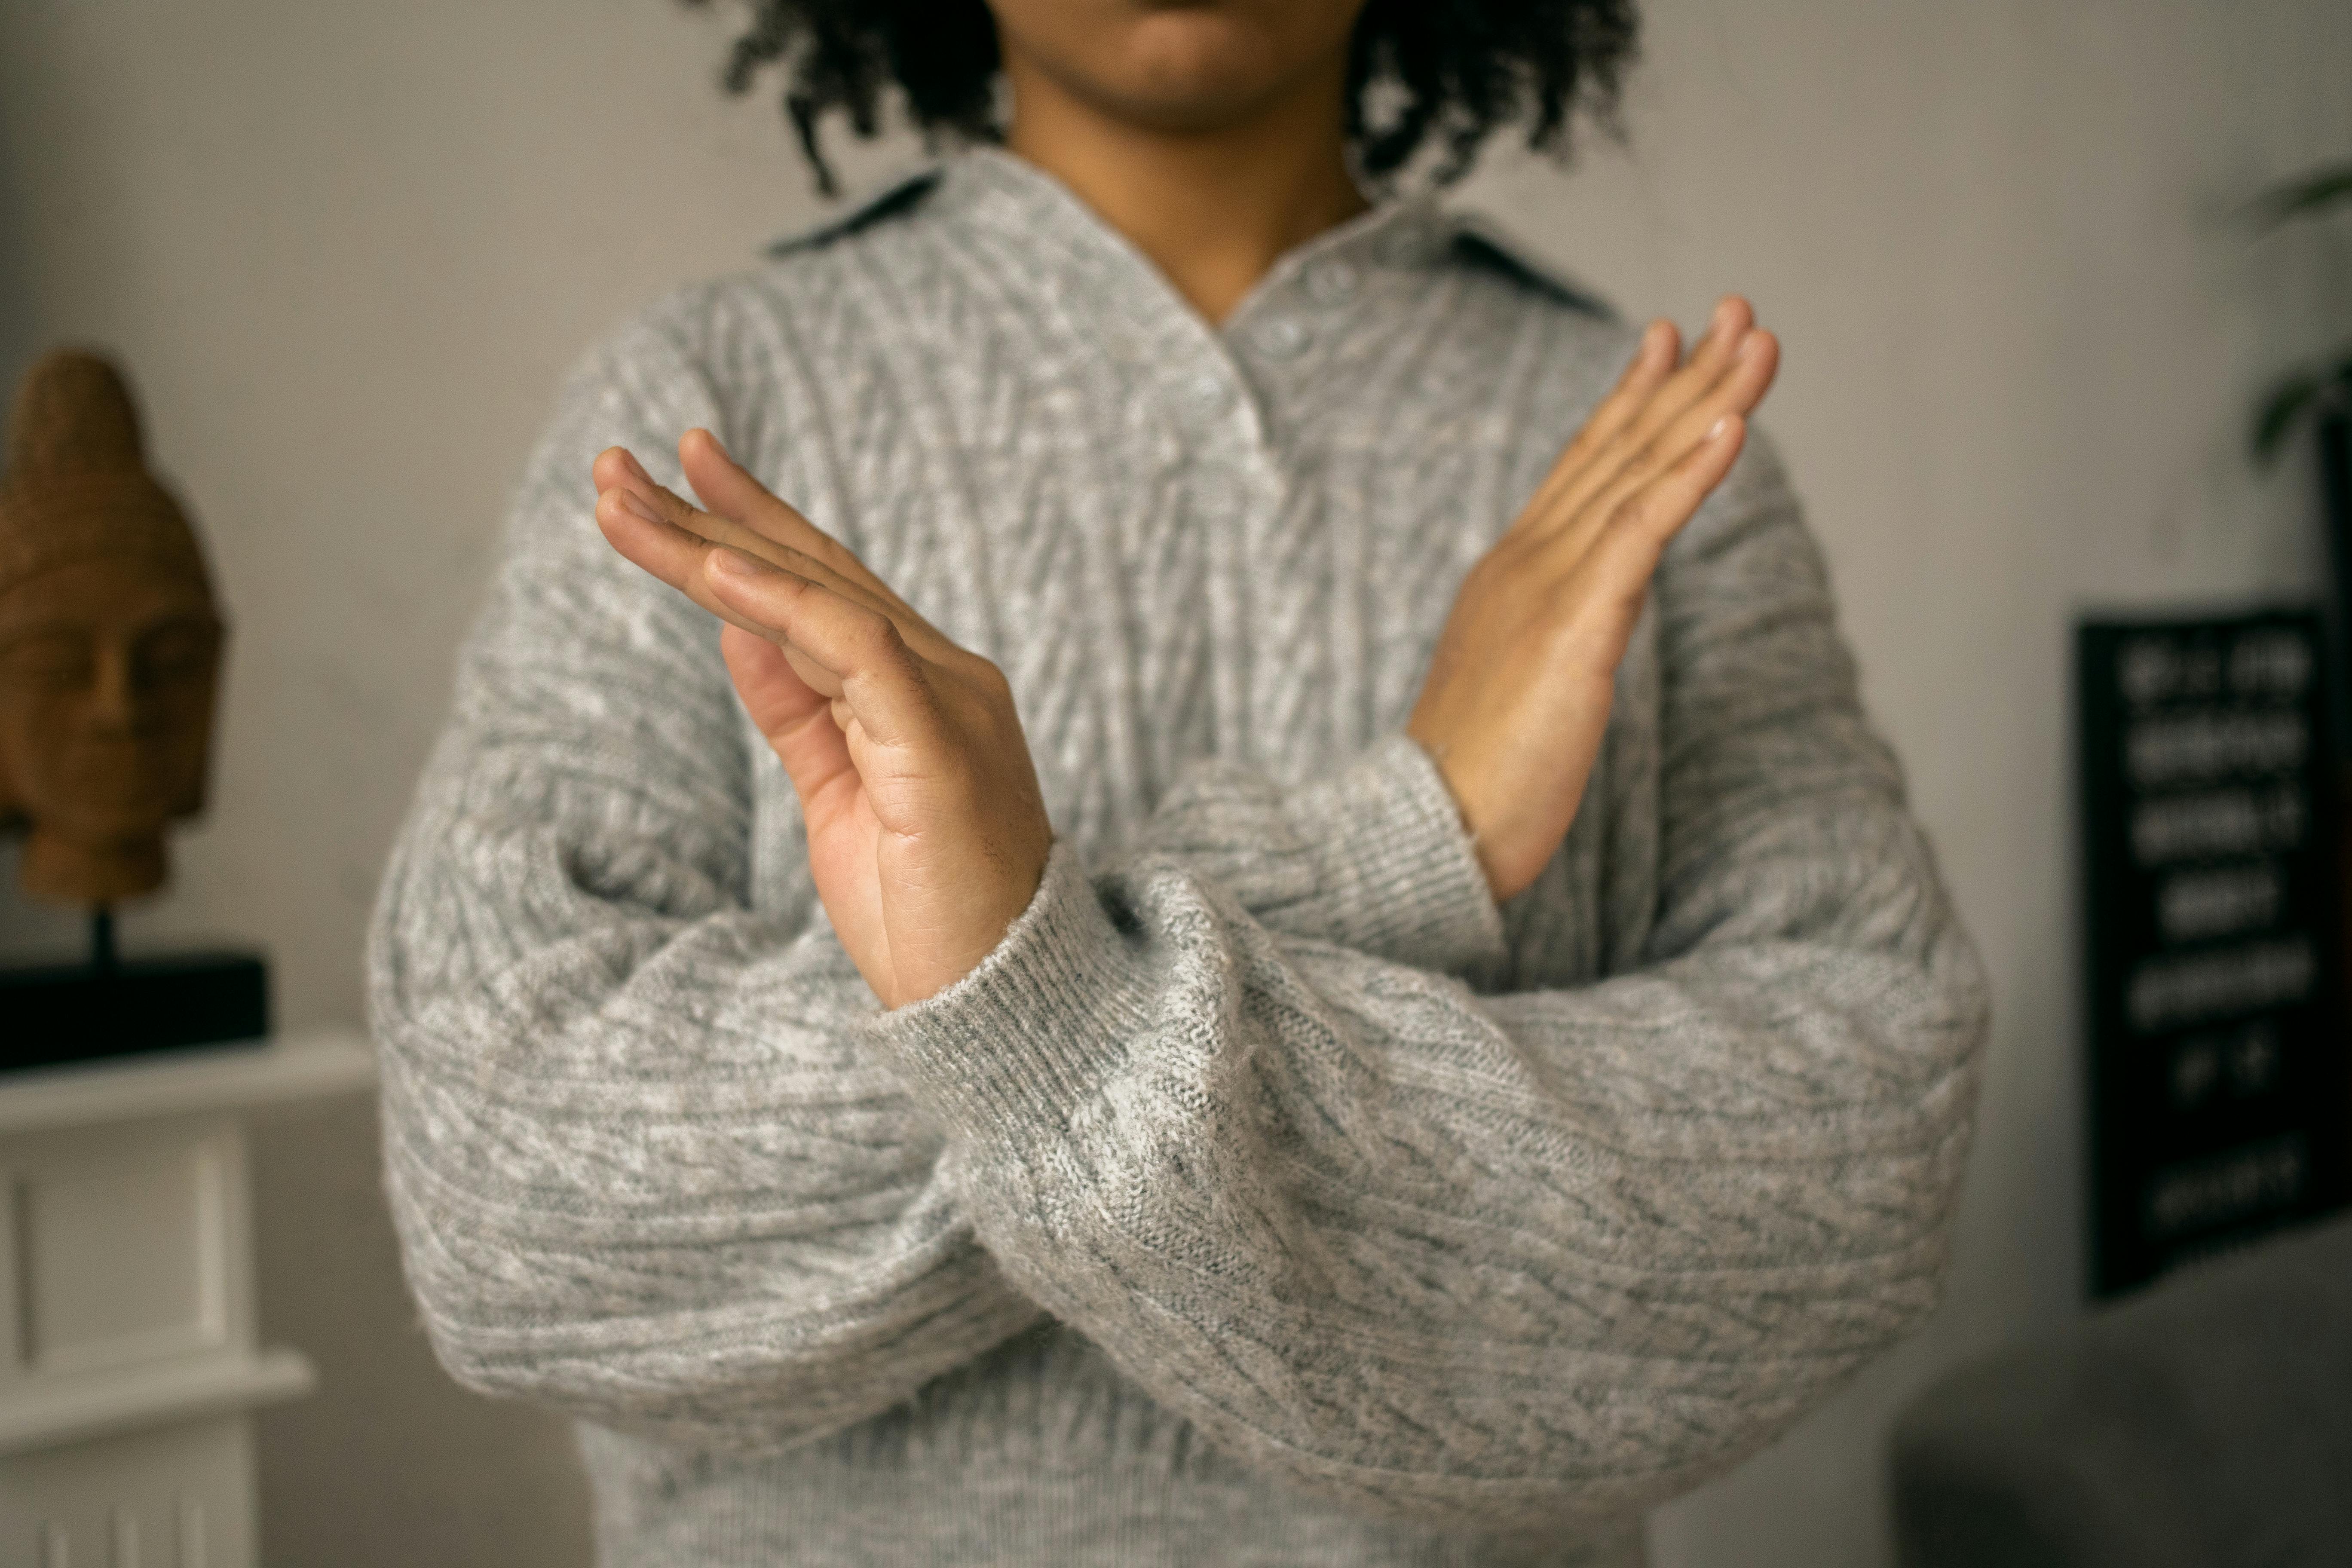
(2023, 340)
(348, 250)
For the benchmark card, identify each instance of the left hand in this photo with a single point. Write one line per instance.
(927, 832)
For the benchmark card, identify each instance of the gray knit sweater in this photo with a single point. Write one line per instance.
(1268, 1195)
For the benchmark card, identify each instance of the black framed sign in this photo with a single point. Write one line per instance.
(2220, 1078)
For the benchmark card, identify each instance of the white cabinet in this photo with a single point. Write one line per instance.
(128, 1356)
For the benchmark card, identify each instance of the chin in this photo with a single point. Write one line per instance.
(1190, 100)
(105, 803)
(1187, 67)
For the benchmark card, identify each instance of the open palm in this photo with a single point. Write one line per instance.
(926, 831)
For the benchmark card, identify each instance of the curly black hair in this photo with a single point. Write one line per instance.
(1447, 70)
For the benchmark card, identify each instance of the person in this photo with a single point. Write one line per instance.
(1188, 872)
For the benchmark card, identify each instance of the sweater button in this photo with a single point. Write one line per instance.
(1285, 337)
(1330, 283)
(1206, 394)
(1405, 244)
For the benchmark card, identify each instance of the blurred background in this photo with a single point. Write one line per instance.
(347, 251)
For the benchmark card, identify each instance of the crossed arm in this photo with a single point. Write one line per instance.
(659, 1161)
(927, 833)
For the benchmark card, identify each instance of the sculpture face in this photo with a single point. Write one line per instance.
(108, 669)
(110, 641)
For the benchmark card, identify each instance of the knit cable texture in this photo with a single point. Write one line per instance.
(1268, 1194)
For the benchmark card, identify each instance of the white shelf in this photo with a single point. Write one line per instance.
(127, 1361)
(74, 1410)
(314, 1065)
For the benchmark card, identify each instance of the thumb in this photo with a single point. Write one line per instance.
(795, 717)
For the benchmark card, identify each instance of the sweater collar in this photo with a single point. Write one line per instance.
(1228, 387)
(985, 184)
(988, 184)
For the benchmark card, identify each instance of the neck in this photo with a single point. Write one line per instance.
(1213, 208)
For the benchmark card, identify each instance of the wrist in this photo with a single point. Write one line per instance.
(1443, 757)
(982, 921)
(1396, 869)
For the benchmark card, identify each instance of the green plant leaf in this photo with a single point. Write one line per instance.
(2304, 196)
(2297, 395)
(2281, 409)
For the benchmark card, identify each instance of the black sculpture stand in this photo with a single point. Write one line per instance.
(111, 1007)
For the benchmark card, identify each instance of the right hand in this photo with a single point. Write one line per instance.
(927, 834)
(1519, 692)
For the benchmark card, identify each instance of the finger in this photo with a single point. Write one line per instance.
(1708, 360)
(681, 560)
(882, 680)
(1644, 523)
(1737, 394)
(729, 489)
(664, 549)
(1717, 356)
(794, 716)
(650, 540)
(619, 469)
(1654, 359)
(752, 520)
(774, 694)
(1603, 594)
(673, 540)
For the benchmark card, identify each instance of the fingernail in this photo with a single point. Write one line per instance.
(1720, 429)
(735, 564)
(635, 467)
(637, 506)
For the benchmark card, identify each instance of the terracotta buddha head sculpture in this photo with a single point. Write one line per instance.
(109, 642)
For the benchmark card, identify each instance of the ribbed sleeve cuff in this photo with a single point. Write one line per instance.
(1024, 1036)
(1396, 874)
(1020, 1038)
